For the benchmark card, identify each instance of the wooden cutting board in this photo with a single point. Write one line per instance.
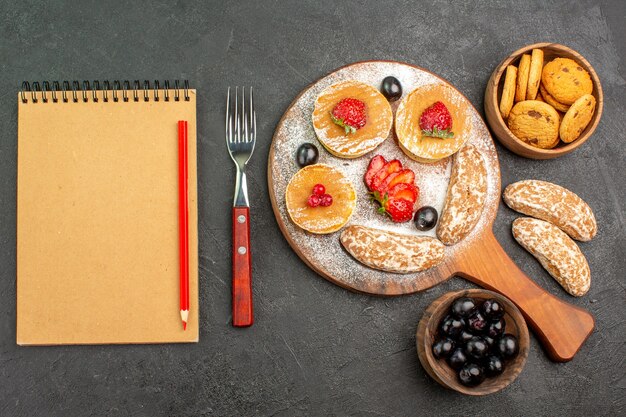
(561, 327)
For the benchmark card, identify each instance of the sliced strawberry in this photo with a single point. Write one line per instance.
(404, 191)
(375, 165)
(399, 209)
(388, 169)
(404, 176)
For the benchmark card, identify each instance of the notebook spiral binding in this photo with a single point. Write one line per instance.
(119, 90)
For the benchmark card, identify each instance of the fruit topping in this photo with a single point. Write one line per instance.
(392, 187)
(349, 113)
(471, 374)
(319, 189)
(391, 88)
(307, 154)
(319, 197)
(326, 200)
(314, 200)
(375, 165)
(436, 121)
(443, 348)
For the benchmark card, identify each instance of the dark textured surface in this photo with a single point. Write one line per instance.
(315, 349)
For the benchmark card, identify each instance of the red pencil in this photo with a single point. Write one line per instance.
(183, 216)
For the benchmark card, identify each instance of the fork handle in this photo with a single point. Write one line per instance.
(242, 268)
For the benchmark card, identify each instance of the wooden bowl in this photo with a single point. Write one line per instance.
(494, 92)
(439, 370)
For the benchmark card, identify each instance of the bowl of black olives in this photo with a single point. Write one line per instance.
(473, 341)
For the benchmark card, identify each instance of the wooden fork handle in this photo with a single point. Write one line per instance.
(242, 268)
(561, 327)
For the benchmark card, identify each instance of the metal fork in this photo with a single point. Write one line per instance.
(240, 140)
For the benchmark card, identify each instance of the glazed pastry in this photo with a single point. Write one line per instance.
(392, 252)
(467, 193)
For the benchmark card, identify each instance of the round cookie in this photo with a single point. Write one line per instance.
(577, 118)
(508, 91)
(551, 101)
(565, 80)
(365, 139)
(536, 123)
(522, 78)
(534, 74)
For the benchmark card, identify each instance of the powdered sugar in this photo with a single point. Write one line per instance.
(324, 252)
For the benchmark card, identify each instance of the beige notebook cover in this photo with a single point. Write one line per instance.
(97, 220)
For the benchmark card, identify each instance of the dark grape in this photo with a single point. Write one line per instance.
(464, 336)
(443, 348)
(476, 322)
(463, 306)
(492, 309)
(307, 154)
(507, 346)
(457, 359)
(496, 328)
(425, 218)
(391, 88)
(452, 326)
(493, 366)
(476, 347)
(471, 374)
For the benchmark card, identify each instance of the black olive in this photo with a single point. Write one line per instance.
(391, 88)
(507, 346)
(457, 359)
(464, 336)
(471, 374)
(452, 326)
(443, 348)
(307, 154)
(492, 309)
(493, 366)
(463, 306)
(476, 323)
(477, 347)
(496, 328)
(425, 218)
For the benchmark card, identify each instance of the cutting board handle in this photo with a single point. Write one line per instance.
(561, 327)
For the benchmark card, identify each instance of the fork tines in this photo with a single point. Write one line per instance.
(242, 127)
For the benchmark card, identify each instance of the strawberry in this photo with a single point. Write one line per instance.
(436, 121)
(406, 176)
(400, 210)
(349, 113)
(375, 165)
(387, 169)
(404, 191)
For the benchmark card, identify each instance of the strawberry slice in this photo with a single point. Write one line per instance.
(375, 165)
(406, 176)
(404, 191)
(388, 169)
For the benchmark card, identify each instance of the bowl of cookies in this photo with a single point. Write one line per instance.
(543, 101)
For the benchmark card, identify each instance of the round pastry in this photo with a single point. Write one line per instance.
(536, 123)
(415, 136)
(346, 138)
(565, 80)
(320, 218)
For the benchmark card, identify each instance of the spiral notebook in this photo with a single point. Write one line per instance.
(97, 213)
